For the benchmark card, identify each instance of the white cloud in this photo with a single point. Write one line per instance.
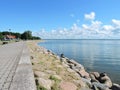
(90, 16)
(116, 22)
(85, 27)
(108, 27)
(95, 29)
(94, 26)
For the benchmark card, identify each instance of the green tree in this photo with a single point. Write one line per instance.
(35, 38)
(1, 36)
(18, 35)
(27, 35)
(5, 33)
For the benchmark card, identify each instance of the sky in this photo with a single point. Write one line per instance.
(62, 19)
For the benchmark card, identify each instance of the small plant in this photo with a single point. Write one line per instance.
(55, 87)
(39, 87)
(54, 78)
(56, 84)
(41, 62)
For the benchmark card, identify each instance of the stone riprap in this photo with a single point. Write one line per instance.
(54, 72)
(15, 67)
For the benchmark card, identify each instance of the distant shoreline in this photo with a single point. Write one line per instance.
(80, 39)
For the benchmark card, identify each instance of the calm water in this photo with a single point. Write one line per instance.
(95, 55)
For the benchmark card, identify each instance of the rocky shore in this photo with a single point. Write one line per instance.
(53, 72)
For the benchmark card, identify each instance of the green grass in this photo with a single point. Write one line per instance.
(56, 84)
(0, 42)
(41, 62)
(40, 87)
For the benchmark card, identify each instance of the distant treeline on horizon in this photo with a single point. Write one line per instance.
(27, 35)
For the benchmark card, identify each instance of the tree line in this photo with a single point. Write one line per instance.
(27, 35)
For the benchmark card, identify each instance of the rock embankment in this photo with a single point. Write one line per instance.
(54, 72)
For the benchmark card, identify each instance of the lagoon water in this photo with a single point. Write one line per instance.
(95, 55)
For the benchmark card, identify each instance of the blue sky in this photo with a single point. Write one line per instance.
(62, 19)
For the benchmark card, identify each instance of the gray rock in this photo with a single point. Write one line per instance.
(77, 75)
(106, 80)
(66, 58)
(65, 65)
(100, 86)
(83, 73)
(93, 79)
(45, 83)
(80, 83)
(79, 67)
(50, 72)
(71, 66)
(96, 74)
(58, 57)
(94, 87)
(39, 74)
(87, 81)
(70, 70)
(84, 88)
(67, 86)
(63, 60)
(115, 86)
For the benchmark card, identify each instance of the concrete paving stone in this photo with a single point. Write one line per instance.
(0, 75)
(5, 89)
(5, 76)
(9, 79)
(1, 85)
(6, 85)
(2, 80)
(7, 72)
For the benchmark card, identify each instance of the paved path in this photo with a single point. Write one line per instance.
(15, 67)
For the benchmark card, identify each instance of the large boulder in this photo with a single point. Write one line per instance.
(72, 66)
(45, 83)
(87, 81)
(94, 76)
(79, 66)
(115, 86)
(105, 79)
(84, 88)
(93, 79)
(67, 86)
(83, 73)
(39, 74)
(70, 70)
(80, 83)
(50, 72)
(100, 86)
